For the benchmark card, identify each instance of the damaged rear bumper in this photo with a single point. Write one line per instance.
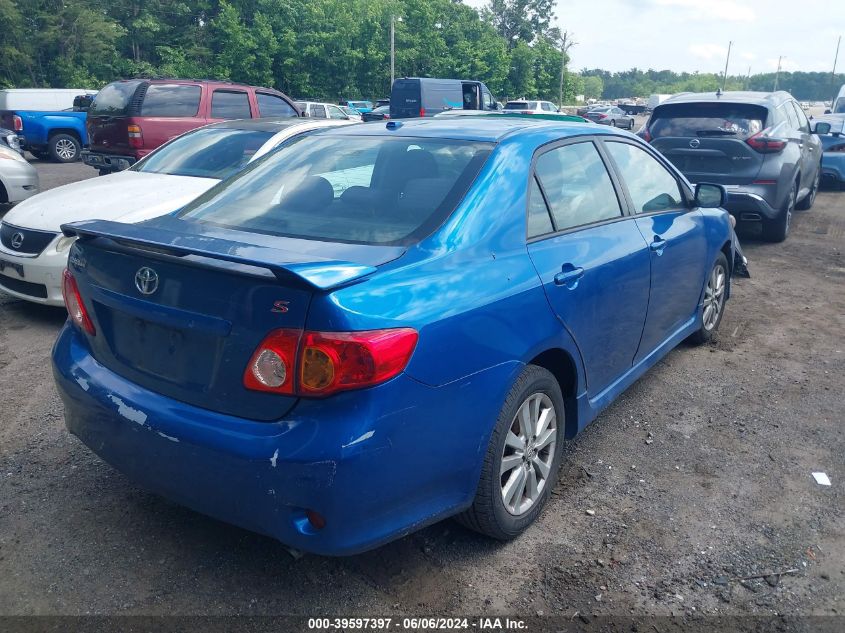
(371, 462)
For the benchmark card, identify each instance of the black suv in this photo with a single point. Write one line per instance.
(760, 145)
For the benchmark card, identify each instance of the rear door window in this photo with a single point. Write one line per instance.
(171, 100)
(336, 113)
(230, 104)
(731, 120)
(577, 186)
(318, 111)
(651, 186)
(273, 105)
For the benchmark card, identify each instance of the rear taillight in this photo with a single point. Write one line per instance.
(602, 116)
(136, 138)
(273, 365)
(328, 362)
(645, 134)
(17, 123)
(422, 112)
(765, 144)
(75, 306)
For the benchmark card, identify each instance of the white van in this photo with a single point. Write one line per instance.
(838, 105)
(50, 99)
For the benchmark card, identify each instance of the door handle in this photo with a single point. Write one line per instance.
(658, 245)
(569, 276)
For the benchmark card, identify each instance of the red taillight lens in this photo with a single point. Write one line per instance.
(602, 116)
(328, 362)
(136, 137)
(272, 366)
(17, 122)
(765, 144)
(75, 306)
(336, 361)
(645, 134)
(422, 112)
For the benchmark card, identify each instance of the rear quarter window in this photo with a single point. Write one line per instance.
(708, 119)
(171, 100)
(273, 105)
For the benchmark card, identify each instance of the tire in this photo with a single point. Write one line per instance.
(612, 123)
(777, 229)
(64, 148)
(528, 461)
(715, 289)
(39, 155)
(631, 125)
(807, 203)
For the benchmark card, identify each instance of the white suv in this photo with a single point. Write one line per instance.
(322, 111)
(525, 106)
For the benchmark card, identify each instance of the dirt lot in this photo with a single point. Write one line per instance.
(699, 475)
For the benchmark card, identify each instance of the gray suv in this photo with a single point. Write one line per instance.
(760, 145)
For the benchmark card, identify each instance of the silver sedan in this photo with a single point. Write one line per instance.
(18, 179)
(611, 115)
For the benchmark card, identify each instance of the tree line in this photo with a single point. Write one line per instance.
(322, 49)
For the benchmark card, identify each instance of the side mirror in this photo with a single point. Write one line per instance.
(821, 127)
(710, 196)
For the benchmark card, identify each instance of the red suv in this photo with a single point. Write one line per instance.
(131, 117)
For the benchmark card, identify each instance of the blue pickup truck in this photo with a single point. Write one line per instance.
(57, 135)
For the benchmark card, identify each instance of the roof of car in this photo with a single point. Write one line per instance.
(267, 124)
(733, 96)
(484, 128)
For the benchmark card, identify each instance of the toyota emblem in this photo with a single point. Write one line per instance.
(695, 143)
(146, 281)
(17, 240)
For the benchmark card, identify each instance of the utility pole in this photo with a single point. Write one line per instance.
(833, 74)
(727, 61)
(393, 20)
(567, 42)
(777, 74)
(747, 78)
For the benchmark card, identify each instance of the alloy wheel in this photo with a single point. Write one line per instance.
(528, 453)
(66, 149)
(714, 297)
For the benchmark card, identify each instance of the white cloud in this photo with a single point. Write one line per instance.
(713, 9)
(709, 51)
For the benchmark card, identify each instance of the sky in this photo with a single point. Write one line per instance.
(693, 35)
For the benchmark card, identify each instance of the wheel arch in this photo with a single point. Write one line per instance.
(563, 367)
(64, 130)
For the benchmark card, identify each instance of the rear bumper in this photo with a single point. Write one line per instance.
(20, 180)
(107, 162)
(833, 166)
(752, 204)
(377, 463)
(41, 281)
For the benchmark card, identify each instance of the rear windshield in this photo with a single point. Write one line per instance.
(205, 153)
(364, 190)
(839, 106)
(521, 105)
(731, 120)
(114, 99)
(405, 93)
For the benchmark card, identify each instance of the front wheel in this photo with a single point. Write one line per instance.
(522, 460)
(64, 148)
(713, 306)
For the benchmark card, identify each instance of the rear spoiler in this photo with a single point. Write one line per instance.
(320, 273)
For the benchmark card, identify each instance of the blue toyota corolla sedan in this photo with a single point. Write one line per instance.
(381, 326)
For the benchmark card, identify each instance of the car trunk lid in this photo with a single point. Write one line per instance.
(181, 313)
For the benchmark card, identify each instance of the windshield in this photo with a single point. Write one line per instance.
(113, 99)
(731, 120)
(365, 190)
(205, 153)
(521, 105)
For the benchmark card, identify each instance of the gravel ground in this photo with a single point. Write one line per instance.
(700, 475)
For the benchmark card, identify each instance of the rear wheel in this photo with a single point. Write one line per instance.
(522, 460)
(807, 203)
(64, 148)
(612, 123)
(713, 306)
(776, 229)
